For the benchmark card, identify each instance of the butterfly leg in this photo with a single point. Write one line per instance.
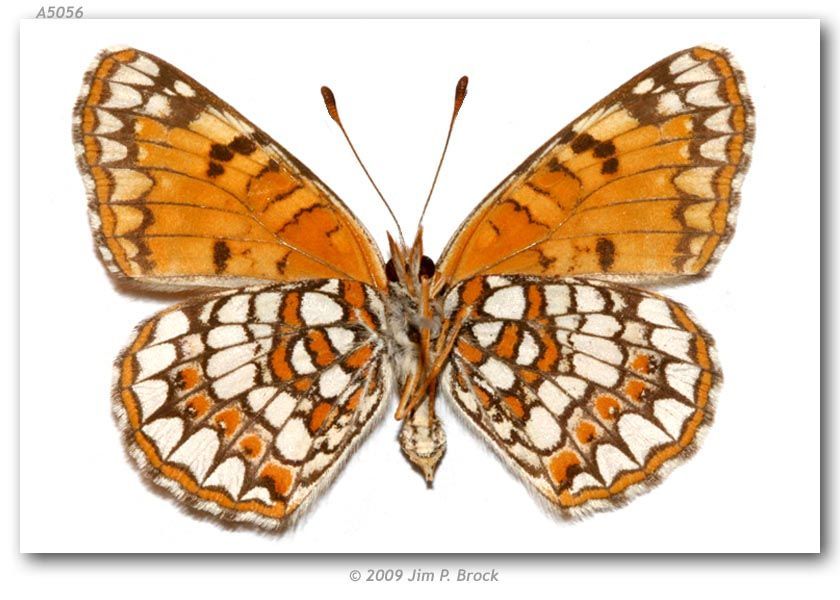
(445, 344)
(406, 393)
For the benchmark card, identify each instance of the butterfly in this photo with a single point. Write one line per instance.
(243, 403)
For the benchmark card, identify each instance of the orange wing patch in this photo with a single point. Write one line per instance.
(641, 186)
(185, 191)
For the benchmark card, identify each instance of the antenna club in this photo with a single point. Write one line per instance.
(329, 101)
(460, 93)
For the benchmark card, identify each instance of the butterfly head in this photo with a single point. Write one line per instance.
(409, 266)
(412, 286)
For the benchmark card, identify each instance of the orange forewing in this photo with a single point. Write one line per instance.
(641, 186)
(185, 191)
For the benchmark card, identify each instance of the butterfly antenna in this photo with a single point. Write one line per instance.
(460, 94)
(329, 100)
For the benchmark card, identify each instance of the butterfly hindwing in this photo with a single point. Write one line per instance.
(243, 404)
(184, 191)
(643, 186)
(587, 389)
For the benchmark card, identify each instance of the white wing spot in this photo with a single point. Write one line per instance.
(452, 301)
(128, 75)
(184, 89)
(494, 281)
(122, 96)
(157, 106)
(226, 335)
(595, 370)
(225, 361)
(171, 325)
(656, 311)
(154, 359)
(703, 72)
(191, 346)
(333, 381)
(715, 149)
(165, 433)
(234, 310)
(673, 341)
(670, 104)
(683, 63)
(528, 350)
(683, 378)
(588, 299)
(146, 65)
(258, 397)
(320, 309)
(601, 325)
(597, 347)
(294, 440)
(331, 287)
(640, 435)
(151, 394)
(111, 151)
(230, 475)
(720, 121)
(198, 452)
(557, 299)
(569, 322)
(705, 94)
(506, 303)
(233, 384)
(543, 429)
(644, 86)
(280, 410)
(258, 493)
(672, 414)
(583, 481)
(574, 386)
(497, 373)
(266, 306)
(341, 339)
(612, 461)
(487, 332)
(553, 397)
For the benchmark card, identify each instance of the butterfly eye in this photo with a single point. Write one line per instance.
(427, 267)
(391, 271)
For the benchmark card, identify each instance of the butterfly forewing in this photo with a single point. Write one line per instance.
(243, 404)
(587, 389)
(185, 191)
(642, 186)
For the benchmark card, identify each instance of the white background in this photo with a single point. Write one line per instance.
(754, 487)
(625, 577)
